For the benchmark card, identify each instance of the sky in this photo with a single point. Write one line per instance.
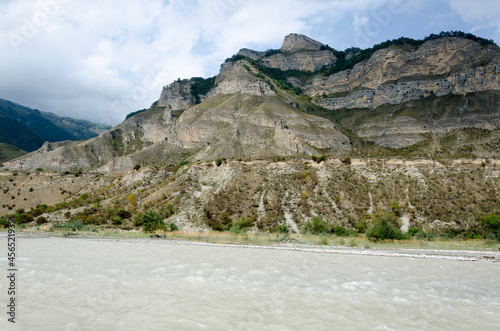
(102, 59)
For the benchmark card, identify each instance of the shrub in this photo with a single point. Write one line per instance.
(284, 228)
(73, 225)
(4, 223)
(117, 220)
(218, 162)
(491, 223)
(241, 224)
(315, 226)
(173, 227)
(39, 169)
(382, 229)
(122, 213)
(341, 231)
(152, 221)
(41, 220)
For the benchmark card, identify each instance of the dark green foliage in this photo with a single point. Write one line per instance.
(234, 58)
(41, 220)
(315, 226)
(201, 86)
(4, 222)
(76, 225)
(491, 224)
(173, 227)
(117, 220)
(272, 52)
(137, 167)
(135, 113)
(39, 169)
(152, 221)
(122, 213)
(341, 231)
(241, 224)
(218, 162)
(382, 229)
(284, 228)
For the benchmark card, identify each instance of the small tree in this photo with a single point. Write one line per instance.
(315, 226)
(152, 221)
(382, 229)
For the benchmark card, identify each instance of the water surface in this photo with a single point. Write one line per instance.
(83, 284)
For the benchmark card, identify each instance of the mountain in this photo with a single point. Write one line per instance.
(437, 97)
(408, 129)
(27, 129)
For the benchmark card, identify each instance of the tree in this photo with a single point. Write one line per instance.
(152, 221)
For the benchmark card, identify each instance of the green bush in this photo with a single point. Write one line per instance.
(4, 223)
(341, 231)
(382, 229)
(73, 225)
(241, 225)
(122, 213)
(39, 169)
(491, 224)
(315, 226)
(41, 220)
(284, 228)
(173, 227)
(117, 220)
(218, 162)
(152, 221)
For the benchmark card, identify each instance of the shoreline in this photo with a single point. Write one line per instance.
(484, 255)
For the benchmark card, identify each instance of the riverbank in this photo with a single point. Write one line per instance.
(463, 250)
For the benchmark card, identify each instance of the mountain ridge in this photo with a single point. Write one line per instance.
(256, 108)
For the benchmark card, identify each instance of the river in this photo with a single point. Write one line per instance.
(85, 284)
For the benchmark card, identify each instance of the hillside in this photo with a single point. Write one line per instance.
(28, 128)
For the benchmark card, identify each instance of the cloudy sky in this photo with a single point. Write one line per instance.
(102, 59)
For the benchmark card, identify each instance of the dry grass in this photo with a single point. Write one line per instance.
(273, 239)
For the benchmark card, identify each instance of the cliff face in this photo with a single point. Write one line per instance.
(392, 76)
(177, 96)
(302, 53)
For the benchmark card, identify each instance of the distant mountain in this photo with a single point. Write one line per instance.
(27, 129)
(81, 129)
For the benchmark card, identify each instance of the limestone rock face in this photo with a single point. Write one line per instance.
(254, 55)
(297, 42)
(177, 96)
(235, 78)
(299, 52)
(391, 76)
(302, 60)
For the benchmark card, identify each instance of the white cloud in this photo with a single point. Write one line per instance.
(482, 14)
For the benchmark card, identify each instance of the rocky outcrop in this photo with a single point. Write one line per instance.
(177, 95)
(299, 52)
(254, 55)
(302, 61)
(235, 78)
(391, 76)
(298, 42)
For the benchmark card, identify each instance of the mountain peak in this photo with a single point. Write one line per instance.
(298, 42)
